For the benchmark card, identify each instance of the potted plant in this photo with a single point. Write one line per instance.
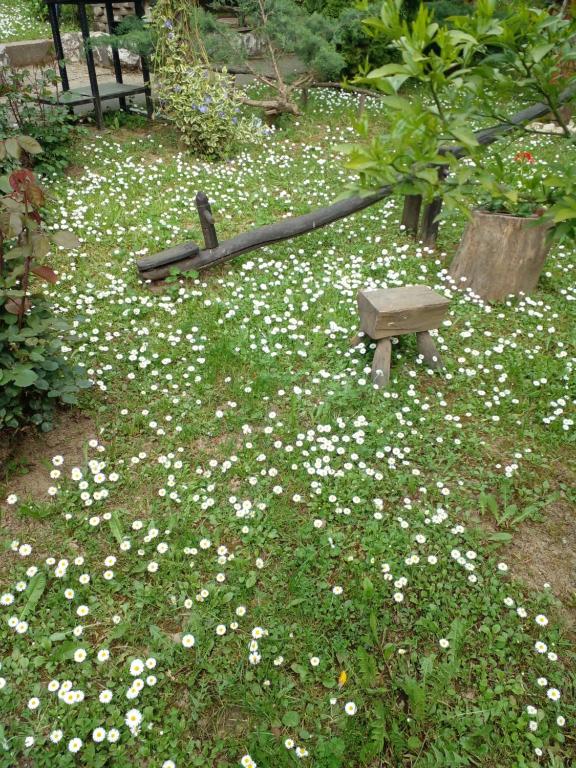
(523, 202)
(474, 71)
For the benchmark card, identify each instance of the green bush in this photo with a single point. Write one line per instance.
(444, 8)
(356, 44)
(22, 113)
(332, 8)
(204, 107)
(38, 8)
(34, 374)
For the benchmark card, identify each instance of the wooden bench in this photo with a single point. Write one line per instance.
(396, 312)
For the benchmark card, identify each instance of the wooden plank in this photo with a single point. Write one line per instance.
(185, 251)
(403, 297)
(206, 220)
(152, 267)
(397, 311)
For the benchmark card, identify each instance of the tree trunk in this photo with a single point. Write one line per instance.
(500, 255)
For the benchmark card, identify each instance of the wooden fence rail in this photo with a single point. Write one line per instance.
(422, 223)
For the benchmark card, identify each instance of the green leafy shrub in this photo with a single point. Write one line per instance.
(355, 42)
(471, 68)
(444, 8)
(202, 102)
(34, 374)
(204, 107)
(38, 8)
(131, 34)
(22, 113)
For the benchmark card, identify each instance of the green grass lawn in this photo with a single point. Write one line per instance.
(258, 558)
(17, 22)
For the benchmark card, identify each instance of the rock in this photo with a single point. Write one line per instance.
(121, 10)
(28, 53)
(252, 44)
(74, 51)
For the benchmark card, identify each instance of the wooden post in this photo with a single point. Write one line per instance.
(381, 363)
(115, 54)
(361, 104)
(411, 213)
(139, 8)
(429, 225)
(90, 64)
(55, 26)
(426, 347)
(206, 221)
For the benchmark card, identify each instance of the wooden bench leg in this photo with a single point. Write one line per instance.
(381, 363)
(427, 348)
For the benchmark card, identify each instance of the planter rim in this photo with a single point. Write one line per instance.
(502, 214)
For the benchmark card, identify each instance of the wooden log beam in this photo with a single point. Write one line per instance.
(188, 255)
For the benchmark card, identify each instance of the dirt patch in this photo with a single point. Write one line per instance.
(545, 553)
(74, 171)
(225, 721)
(25, 471)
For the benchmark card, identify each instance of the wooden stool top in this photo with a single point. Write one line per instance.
(396, 311)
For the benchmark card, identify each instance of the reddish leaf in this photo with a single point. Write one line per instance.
(13, 305)
(20, 179)
(35, 195)
(45, 273)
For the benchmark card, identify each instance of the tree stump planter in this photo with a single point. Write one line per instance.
(500, 255)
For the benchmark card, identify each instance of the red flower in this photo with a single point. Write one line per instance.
(524, 157)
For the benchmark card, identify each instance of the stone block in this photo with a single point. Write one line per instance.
(28, 53)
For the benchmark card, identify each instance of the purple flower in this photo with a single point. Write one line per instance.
(168, 24)
(202, 108)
